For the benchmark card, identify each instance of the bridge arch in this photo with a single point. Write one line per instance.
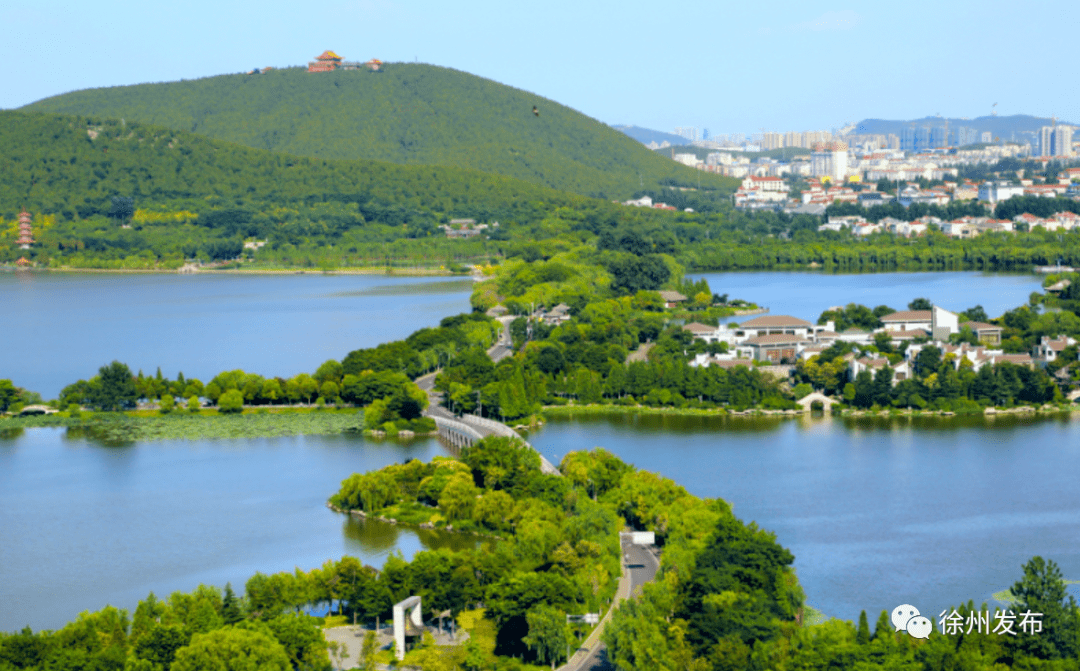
(807, 402)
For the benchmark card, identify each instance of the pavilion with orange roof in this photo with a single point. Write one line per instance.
(327, 61)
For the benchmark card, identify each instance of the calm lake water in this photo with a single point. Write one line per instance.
(878, 513)
(876, 516)
(63, 327)
(807, 295)
(82, 525)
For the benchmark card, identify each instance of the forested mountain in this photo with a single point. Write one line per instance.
(72, 166)
(405, 113)
(183, 189)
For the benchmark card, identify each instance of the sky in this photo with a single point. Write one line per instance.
(731, 67)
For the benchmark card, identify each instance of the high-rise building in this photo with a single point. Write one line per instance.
(688, 132)
(830, 159)
(987, 137)
(1055, 141)
(772, 141)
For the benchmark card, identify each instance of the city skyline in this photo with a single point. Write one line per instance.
(838, 65)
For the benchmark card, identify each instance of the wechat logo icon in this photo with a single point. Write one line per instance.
(907, 618)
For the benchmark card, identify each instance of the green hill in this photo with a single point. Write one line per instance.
(407, 113)
(198, 193)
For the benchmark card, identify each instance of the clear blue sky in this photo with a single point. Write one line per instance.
(727, 66)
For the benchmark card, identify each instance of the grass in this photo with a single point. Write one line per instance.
(147, 425)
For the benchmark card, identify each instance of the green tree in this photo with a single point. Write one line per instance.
(862, 637)
(231, 401)
(115, 389)
(367, 652)
(1042, 590)
(166, 404)
(193, 404)
(458, 497)
(920, 304)
(9, 394)
(231, 612)
(548, 634)
(232, 649)
(159, 645)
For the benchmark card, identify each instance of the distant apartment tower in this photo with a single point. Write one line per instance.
(986, 137)
(830, 159)
(917, 140)
(772, 141)
(1055, 141)
(688, 132)
(966, 135)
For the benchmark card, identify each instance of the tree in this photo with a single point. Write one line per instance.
(231, 401)
(862, 636)
(9, 394)
(193, 404)
(920, 304)
(367, 652)
(166, 404)
(1042, 590)
(458, 497)
(975, 314)
(115, 389)
(160, 645)
(231, 649)
(122, 208)
(548, 635)
(230, 606)
(928, 360)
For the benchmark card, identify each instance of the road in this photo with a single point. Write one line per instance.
(641, 565)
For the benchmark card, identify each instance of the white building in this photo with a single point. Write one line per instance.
(994, 192)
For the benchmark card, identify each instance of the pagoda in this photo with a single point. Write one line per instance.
(327, 61)
(26, 237)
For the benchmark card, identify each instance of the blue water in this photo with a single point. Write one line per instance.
(62, 327)
(808, 294)
(876, 516)
(877, 512)
(83, 525)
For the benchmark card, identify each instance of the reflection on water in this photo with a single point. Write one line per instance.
(445, 286)
(12, 433)
(375, 538)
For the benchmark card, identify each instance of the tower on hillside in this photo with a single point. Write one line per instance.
(327, 61)
(26, 234)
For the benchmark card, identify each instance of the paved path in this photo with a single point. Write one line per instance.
(482, 425)
(640, 565)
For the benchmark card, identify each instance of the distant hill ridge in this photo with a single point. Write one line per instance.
(1000, 126)
(406, 113)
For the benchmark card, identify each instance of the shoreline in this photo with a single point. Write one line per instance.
(365, 270)
(607, 408)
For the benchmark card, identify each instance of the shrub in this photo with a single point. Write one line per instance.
(166, 405)
(193, 404)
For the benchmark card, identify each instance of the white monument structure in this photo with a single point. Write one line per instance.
(407, 620)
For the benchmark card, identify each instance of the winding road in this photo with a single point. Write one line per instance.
(639, 563)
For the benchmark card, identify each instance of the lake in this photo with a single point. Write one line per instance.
(63, 327)
(808, 294)
(876, 515)
(84, 525)
(878, 512)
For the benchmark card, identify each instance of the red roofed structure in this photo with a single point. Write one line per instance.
(327, 61)
(26, 237)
